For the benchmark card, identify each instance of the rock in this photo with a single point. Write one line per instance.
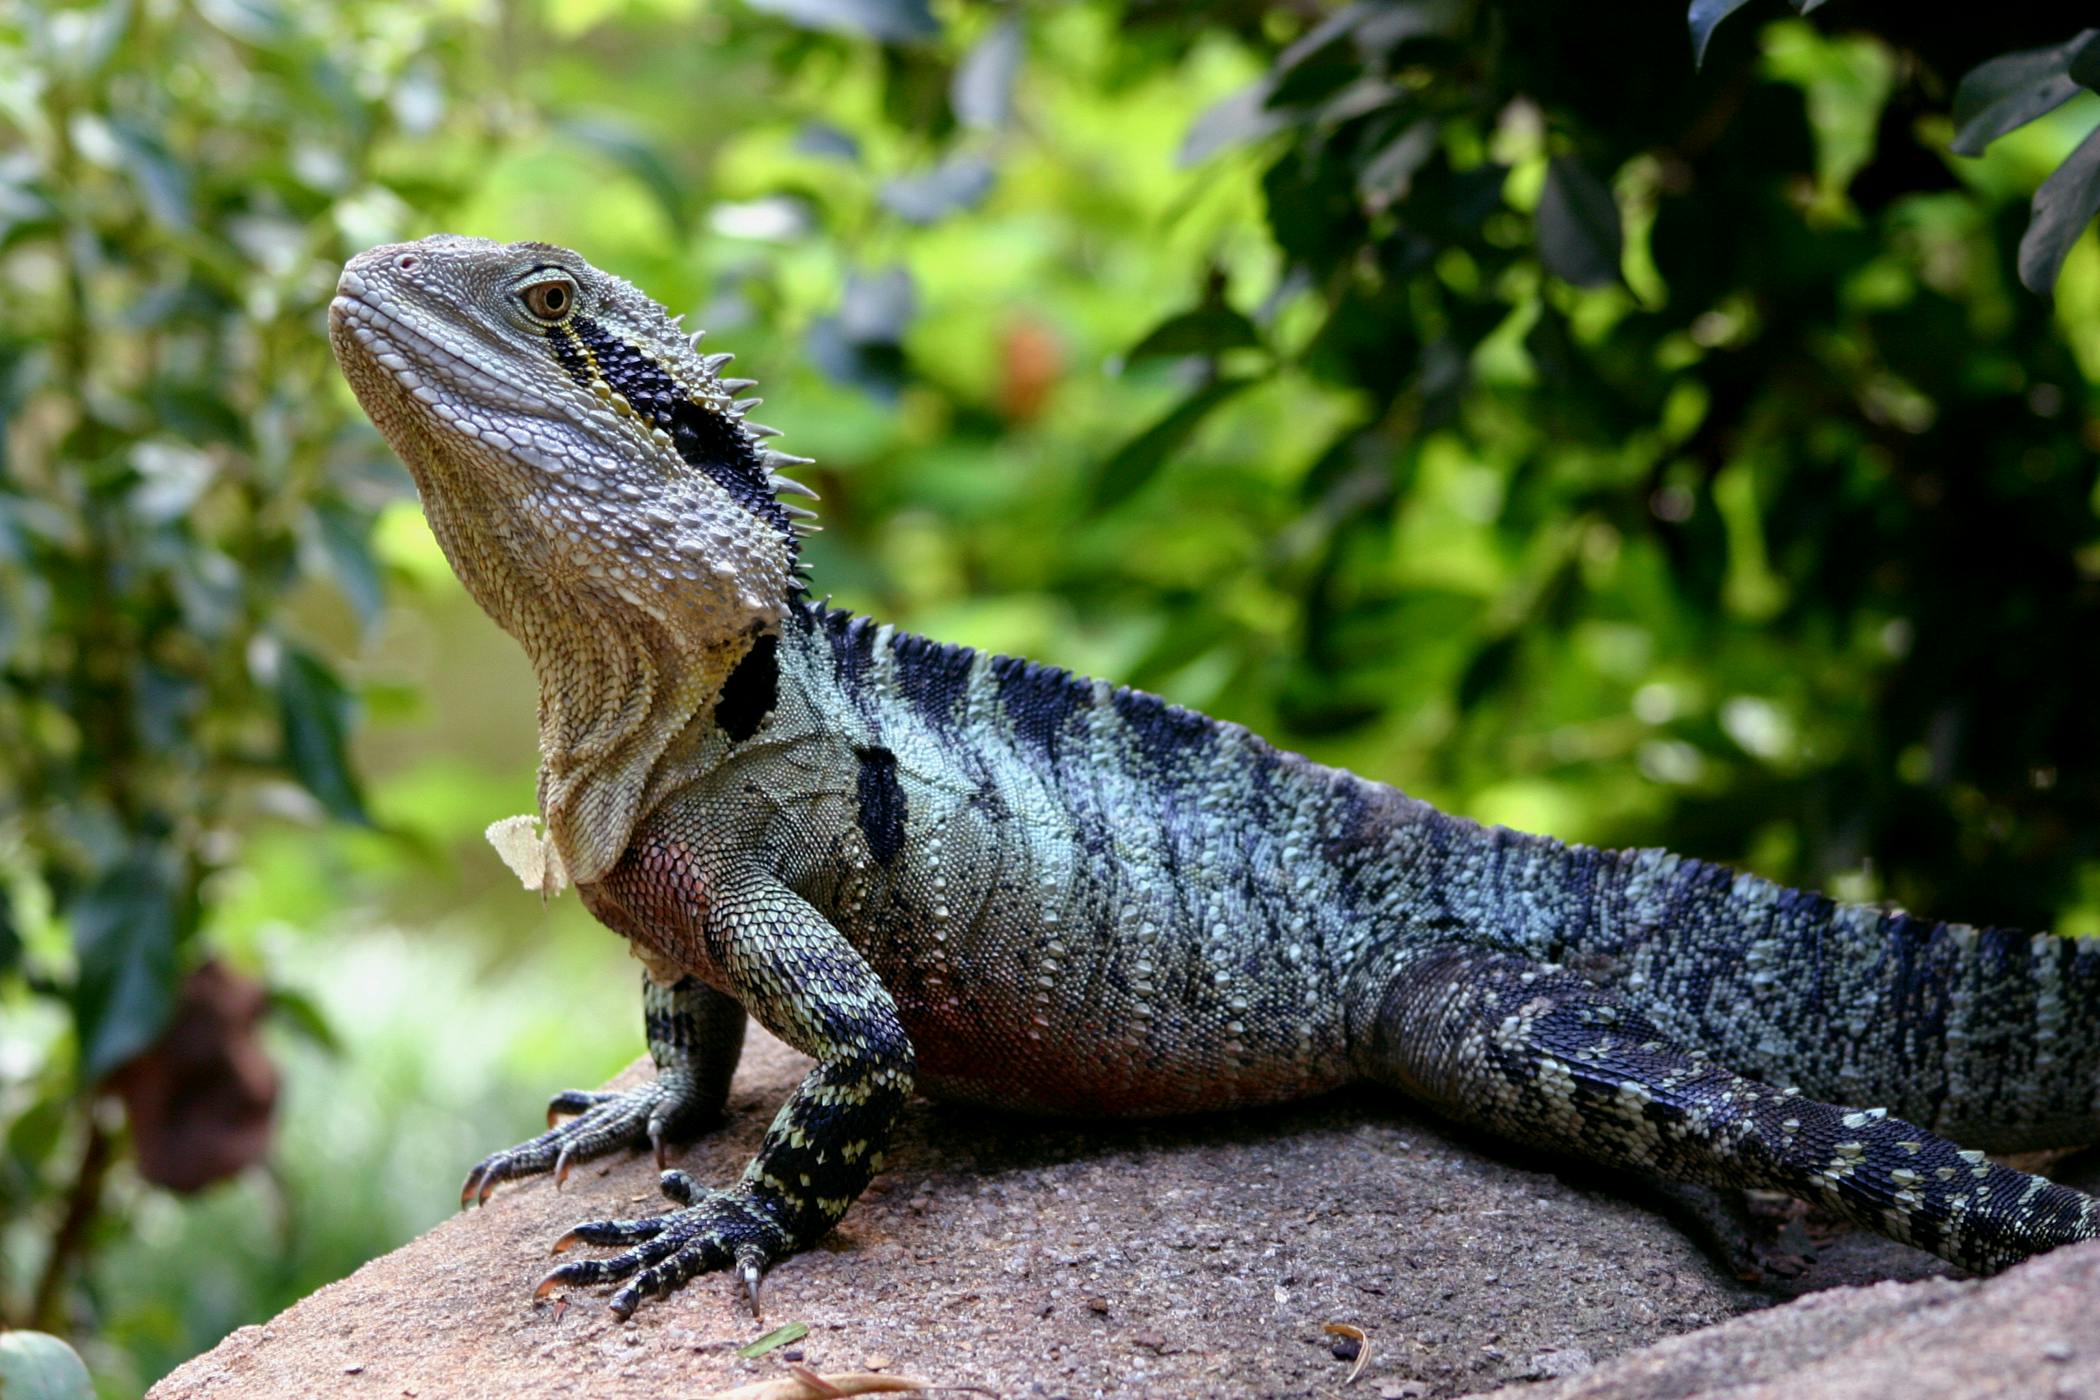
(1217, 1249)
(2027, 1333)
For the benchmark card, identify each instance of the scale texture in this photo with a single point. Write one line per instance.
(992, 880)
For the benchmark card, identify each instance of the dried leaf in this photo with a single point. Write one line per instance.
(1363, 1346)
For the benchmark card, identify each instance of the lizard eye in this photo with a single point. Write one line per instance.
(550, 300)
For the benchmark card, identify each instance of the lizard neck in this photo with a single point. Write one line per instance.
(623, 667)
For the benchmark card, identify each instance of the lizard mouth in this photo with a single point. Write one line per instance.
(422, 368)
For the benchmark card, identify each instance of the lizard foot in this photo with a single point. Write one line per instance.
(603, 1121)
(717, 1229)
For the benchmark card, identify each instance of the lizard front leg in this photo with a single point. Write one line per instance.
(812, 988)
(695, 1034)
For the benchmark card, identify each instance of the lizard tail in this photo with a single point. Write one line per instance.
(1988, 1035)
(1534, 1052)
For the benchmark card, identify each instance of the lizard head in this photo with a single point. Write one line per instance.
(566, 437)
(593, 481)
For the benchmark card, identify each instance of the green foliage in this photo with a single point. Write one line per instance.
(1478, 394)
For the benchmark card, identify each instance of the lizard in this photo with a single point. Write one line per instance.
(938, 870)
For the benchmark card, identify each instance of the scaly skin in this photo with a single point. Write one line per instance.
(992, 880)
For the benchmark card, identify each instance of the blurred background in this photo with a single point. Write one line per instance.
(1474, 393)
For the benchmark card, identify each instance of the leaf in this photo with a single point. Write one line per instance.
(876, 310)
(1205, 330)
(303, 1014)
(38, 1366)
(874, 367)
(1387, 176)
(10, 937)
(2063, 206)
(1232, 121)
(2013, 89)
(630, 151)
(1139, 460)
(1578, 226)
(779, 1337)
(1706, 15)
(345, 537)
(315, 712)
(824, 139)
(959, 182)
(982, 91)
(124, 930)
(892, 21)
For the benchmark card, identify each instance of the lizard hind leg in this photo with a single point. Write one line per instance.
(1533, 1052)
(696, 1035)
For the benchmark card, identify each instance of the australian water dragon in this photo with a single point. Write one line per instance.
(980, 877)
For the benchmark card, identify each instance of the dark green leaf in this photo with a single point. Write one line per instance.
(10, 938)
(2084, 66)
(2063, 206)
(959, 182)
(982, 92)
(345, 538)
(315, 711)
(1578, 226)
(124, 928)
(626, 148)
(1705, 16)
(1206, 330)
(1487, 672)
(300, 1012)
(38, 1366)
(1139, 460)
(893, 21)
(2013, 89)
(1387, 176)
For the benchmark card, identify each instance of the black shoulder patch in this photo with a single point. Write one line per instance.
(751, 691)
(881, 803)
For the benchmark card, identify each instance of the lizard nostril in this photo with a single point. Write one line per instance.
(406, 262)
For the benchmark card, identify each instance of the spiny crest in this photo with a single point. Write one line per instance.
(683, 397)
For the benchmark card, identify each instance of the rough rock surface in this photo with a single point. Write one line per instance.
(1192, 1257)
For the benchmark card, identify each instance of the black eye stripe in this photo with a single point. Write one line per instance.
(708, 439)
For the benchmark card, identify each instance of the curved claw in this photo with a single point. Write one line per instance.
(656, 1141)
(466, 1190)
(488, 1185)
(751, 1268)
(561, 1168)
(564, 1242)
